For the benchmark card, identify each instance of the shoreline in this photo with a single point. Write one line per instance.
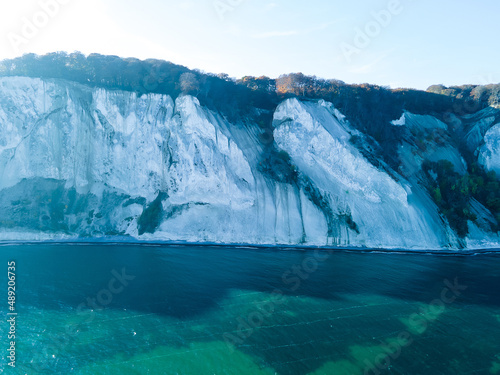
(115, 241)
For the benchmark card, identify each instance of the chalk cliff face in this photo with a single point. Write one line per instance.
(77, 161)
(490, 152)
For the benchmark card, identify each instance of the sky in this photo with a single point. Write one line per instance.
(396, 43)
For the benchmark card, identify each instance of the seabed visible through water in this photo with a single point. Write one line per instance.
(138, 309)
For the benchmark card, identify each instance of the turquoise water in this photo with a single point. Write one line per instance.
(137, 309)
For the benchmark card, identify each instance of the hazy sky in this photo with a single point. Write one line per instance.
(401, 43)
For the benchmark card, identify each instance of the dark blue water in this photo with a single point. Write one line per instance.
(137, 309)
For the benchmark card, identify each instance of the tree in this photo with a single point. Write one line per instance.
(189, 83)
(295, 83)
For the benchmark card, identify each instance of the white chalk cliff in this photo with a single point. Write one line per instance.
(77, 161)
